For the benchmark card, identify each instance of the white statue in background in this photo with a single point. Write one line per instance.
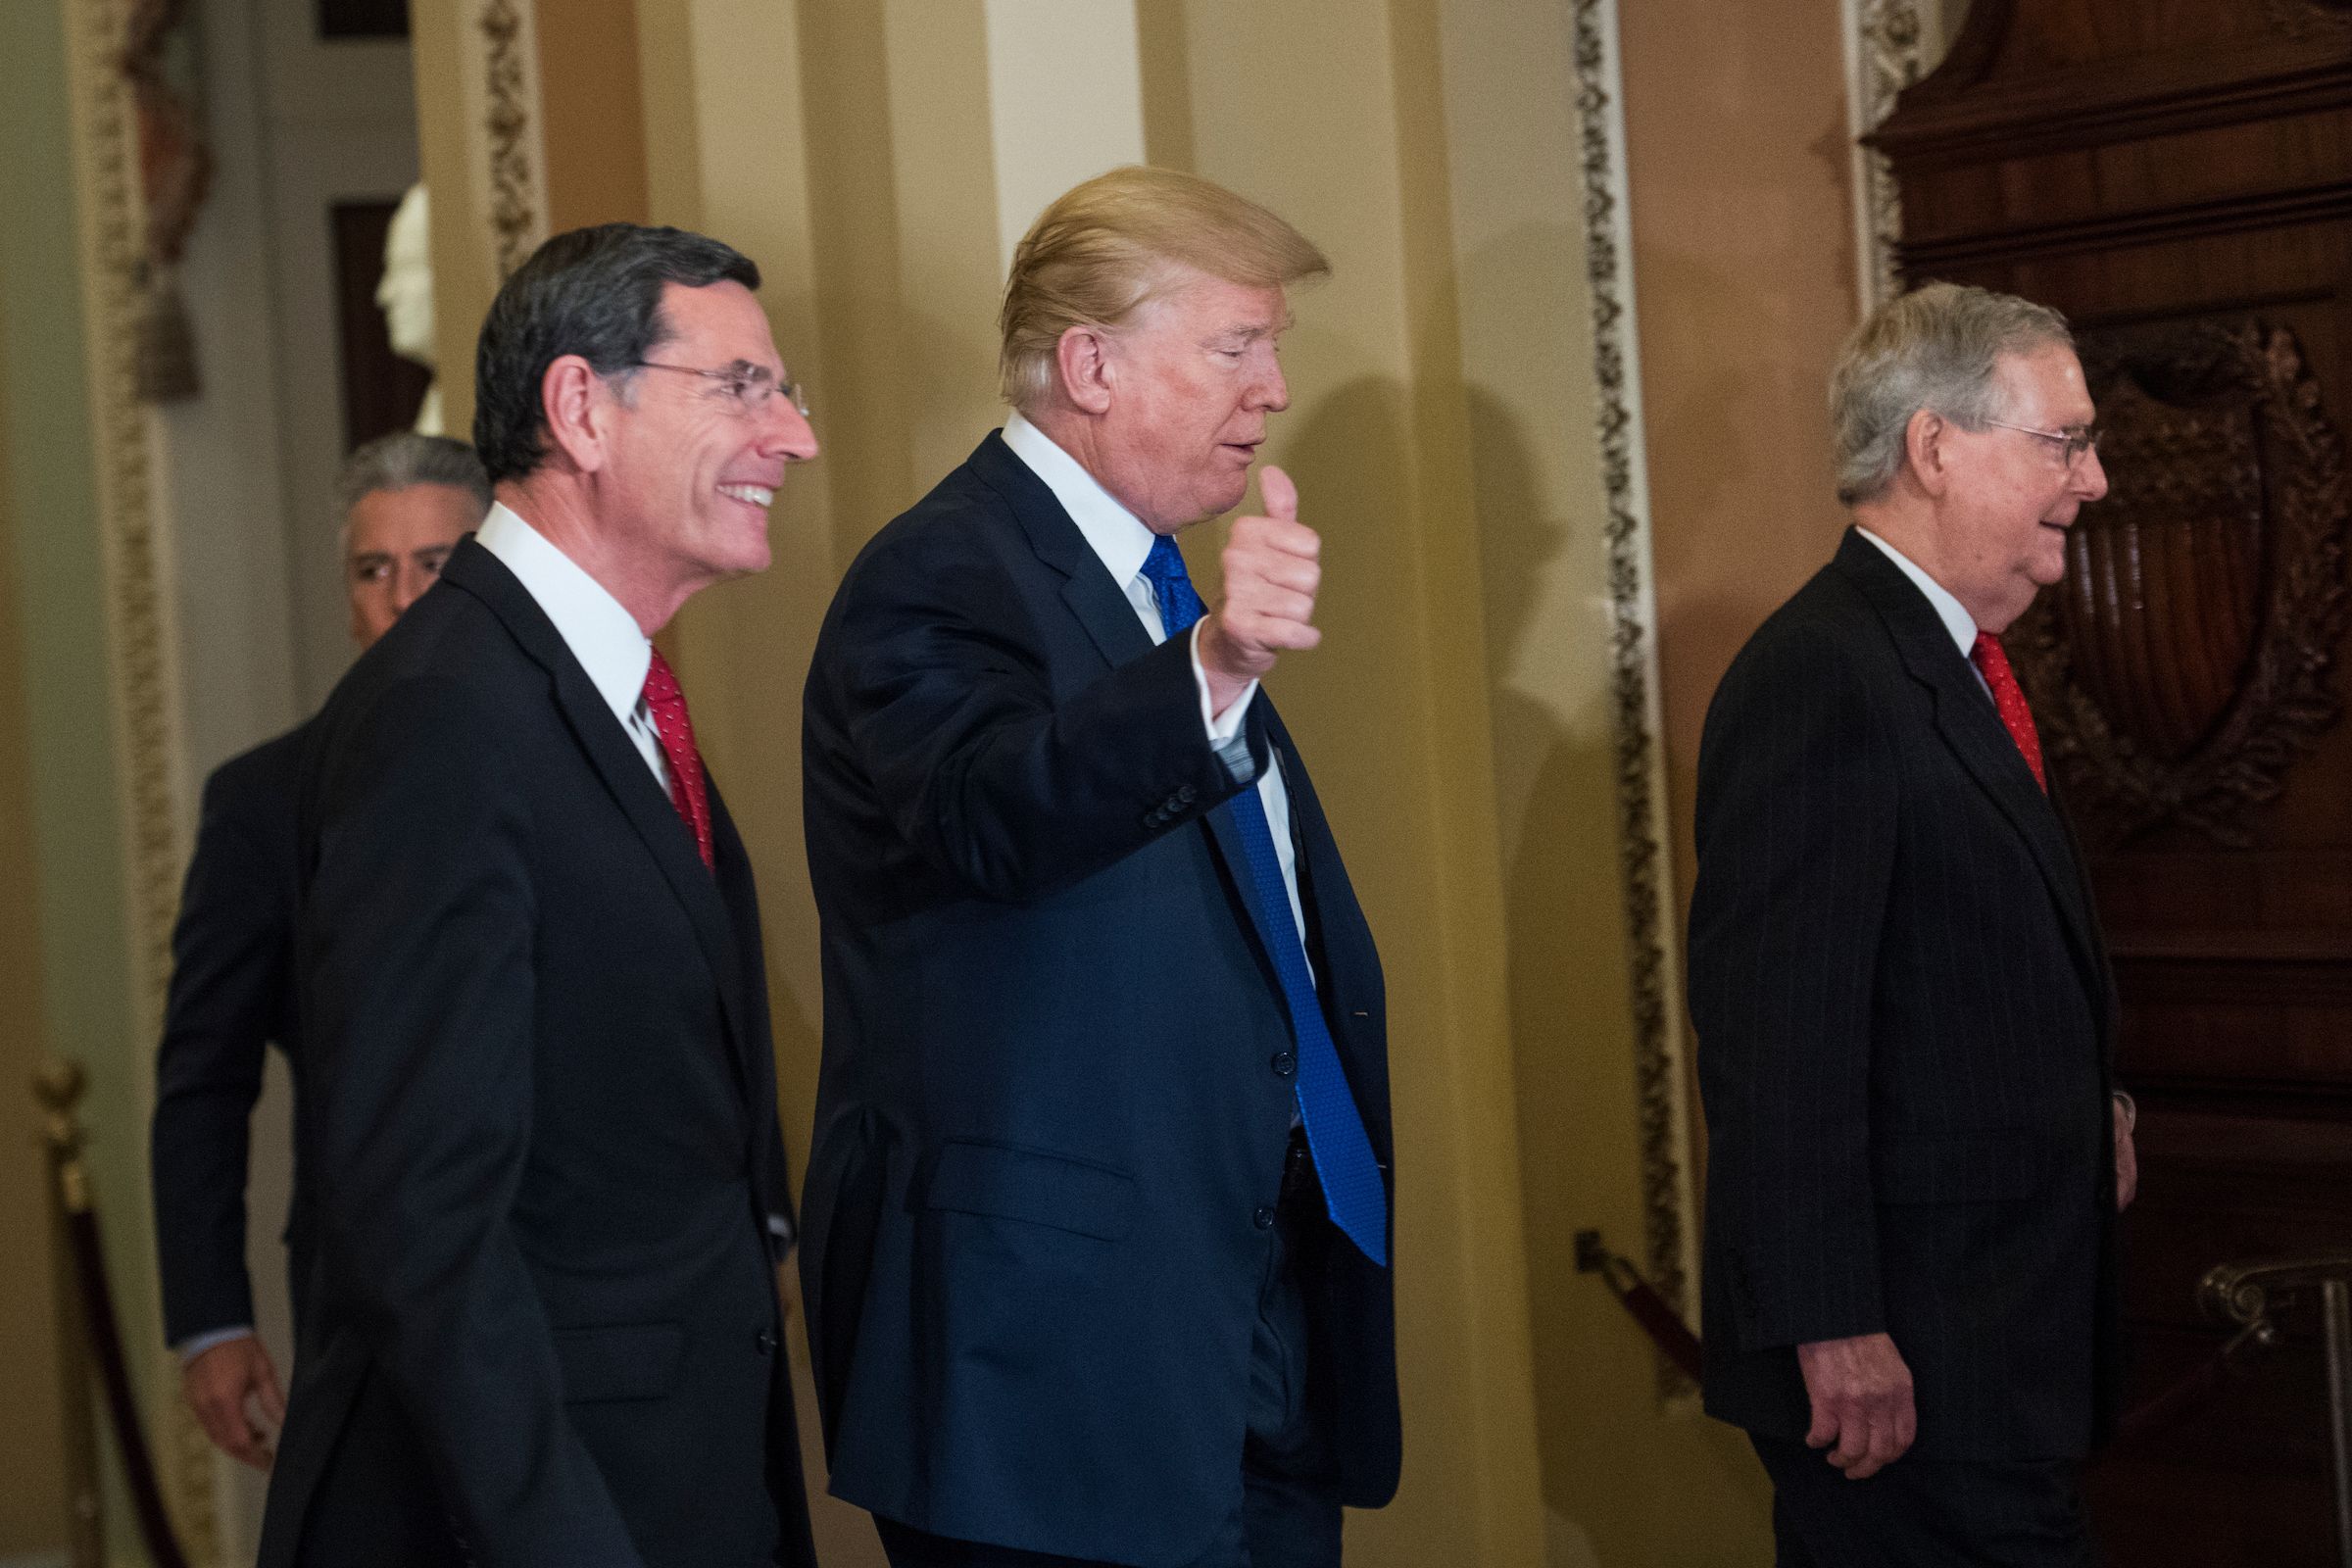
(406, 296)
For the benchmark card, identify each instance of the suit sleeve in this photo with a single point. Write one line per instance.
(996, 779)
(418, 951)
(231, 975)
(1796, 860)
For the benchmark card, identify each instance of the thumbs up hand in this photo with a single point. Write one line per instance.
(1271, 575)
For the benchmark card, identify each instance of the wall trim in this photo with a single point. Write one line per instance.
(142, 635)
(1890, 44)
(1670, 1219)
(506, 155)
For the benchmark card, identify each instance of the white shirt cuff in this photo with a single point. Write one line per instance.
(195, 1345)
(1225, 734)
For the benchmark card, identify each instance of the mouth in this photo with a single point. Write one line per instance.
(756, 495)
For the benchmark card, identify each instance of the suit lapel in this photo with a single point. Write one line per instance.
(1099, 605)
(1971, 727)
(619, 766)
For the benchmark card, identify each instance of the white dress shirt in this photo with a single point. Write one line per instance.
(1954, 615)
(603, 636)
(1121, 540)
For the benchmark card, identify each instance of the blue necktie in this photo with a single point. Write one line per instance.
(1350, 1178)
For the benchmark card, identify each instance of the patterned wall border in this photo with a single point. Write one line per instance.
(1671, 1240)
(142, 630)
(506, 155)
(1890, 44)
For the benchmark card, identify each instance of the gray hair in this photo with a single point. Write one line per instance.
(398, 461)
(1936, 348)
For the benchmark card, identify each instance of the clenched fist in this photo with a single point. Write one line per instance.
(1271, 575)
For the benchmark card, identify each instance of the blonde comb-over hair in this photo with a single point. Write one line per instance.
(1112, 245)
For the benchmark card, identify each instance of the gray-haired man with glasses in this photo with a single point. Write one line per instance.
(549, 1174)
(1906, 1016)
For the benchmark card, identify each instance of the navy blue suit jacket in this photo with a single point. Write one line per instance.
(543, 1136)
(1049, 1110)
(1905, 1023)
(232, 994)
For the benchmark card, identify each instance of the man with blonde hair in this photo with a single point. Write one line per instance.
(1905, 1017)
(1097, 1207)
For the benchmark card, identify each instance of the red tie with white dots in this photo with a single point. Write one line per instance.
(1994, 662)
(667, 704)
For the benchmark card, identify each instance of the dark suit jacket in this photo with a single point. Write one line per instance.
(232, 993)
(1049, 1110)
(1905, 1023)
(543, 1124)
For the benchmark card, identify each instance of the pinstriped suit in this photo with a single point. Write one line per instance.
(1905, 1024)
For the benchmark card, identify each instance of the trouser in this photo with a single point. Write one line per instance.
(1924, 1513)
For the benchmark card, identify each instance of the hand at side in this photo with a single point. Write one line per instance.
(1861, 1393)
(223, 1385)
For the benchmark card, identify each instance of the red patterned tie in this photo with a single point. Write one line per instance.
(1994, 662)
(667, 704)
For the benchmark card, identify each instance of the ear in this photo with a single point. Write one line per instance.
(1083, 357)
(1928, 450)
(571, 396)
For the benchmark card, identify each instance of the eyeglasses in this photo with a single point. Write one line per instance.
(2070, 446)
(750, 386)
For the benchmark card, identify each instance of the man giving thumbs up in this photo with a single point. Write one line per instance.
(1096, 1233)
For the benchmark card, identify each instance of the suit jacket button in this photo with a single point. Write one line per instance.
(1187, 795)
(765, 1340)
(1263, 1219)
(1285, 1064)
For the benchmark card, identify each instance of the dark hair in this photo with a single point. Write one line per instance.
(595, 292)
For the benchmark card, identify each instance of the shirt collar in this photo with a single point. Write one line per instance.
(601, 635)
(1118, 535)
(1955, 617)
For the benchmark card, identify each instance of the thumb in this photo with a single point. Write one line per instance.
(1281, 497)
(272, 1399)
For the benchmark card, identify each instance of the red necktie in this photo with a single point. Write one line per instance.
(1994, 662)
(667, 704)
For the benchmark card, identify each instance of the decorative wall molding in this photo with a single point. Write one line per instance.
(504, 152)
(1887, 46)
(141, 627)
(1670, 1217)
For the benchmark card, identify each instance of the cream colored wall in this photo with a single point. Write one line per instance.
(33, 1503)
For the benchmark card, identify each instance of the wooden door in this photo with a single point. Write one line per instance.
(2176, 175)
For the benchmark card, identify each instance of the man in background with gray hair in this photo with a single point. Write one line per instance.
(1906, 1016)
(407, 500)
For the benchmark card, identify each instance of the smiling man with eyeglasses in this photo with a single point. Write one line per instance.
(1906, 1016)
(549, 1180)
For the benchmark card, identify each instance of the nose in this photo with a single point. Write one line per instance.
(789, 434)
(2090, 479)
(408, 583)
(1271, 393)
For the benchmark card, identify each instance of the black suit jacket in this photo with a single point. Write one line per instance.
(1905, 1023)
(232, 994)
(1049, 1113)
(543, 1133)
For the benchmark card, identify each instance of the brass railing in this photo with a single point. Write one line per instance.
(89, 1341)
(2247, 1293)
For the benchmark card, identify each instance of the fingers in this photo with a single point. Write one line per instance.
(1861, 1398)
(1281, 497)
(218, 1386)
(272, 1399)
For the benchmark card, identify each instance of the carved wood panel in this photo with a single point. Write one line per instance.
(2176, 176)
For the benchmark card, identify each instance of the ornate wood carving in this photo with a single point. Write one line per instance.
(2183, 661)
